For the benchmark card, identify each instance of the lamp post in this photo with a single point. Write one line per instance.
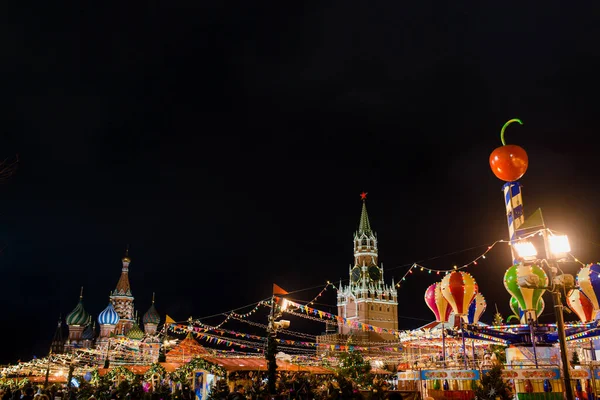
(555, 248)
(271, 351)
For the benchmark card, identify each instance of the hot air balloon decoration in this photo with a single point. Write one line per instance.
(437, 303)
(581, 305)
(476, 309)
(526, 297)
(520, 313)
(459, 288)
(589, 283)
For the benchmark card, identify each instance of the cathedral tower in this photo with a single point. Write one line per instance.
(367, 298)
(122, 299)
(58, 344)
(108, 320)
(151, 319)
(77, 321)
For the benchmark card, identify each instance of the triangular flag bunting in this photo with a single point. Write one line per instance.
(535, 220)
(278, 290)
(169, 320)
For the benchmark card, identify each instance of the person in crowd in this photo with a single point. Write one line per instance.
(238, 393)
(16, 395)
(28, 393)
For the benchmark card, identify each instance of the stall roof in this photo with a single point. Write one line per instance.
(379, 371)
(231, 365)
(260, 364)
(141, 369)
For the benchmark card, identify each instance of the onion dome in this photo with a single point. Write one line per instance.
(151, 316)
(126, 259)
(89, 333)
(135, 332)
(108, 316)
(78, 316)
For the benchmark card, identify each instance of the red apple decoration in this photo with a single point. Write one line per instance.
(509, 162)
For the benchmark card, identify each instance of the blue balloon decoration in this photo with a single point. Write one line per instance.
(476, 308)
(547, 385)
(588, 279)
(87, 376)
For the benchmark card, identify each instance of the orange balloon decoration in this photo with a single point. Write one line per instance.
(459, 288)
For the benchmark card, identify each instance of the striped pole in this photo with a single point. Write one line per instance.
(514, 212)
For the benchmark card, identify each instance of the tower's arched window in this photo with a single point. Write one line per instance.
(379, 308)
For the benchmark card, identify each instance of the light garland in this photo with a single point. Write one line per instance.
(419, 267)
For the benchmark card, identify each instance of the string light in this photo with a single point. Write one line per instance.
(473, 262)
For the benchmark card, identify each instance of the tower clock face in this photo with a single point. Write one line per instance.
(374, 273)
(355, 274)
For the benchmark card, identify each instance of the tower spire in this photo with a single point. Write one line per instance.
(153, 297)
(365, 225)
(81, 294)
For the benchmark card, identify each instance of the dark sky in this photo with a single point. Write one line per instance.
(227, 145)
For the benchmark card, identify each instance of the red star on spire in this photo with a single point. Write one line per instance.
(363, 196)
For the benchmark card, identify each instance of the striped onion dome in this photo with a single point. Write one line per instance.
(108, 316)
(151, 316)
(78, 316)
(89, 333)
(135, 333)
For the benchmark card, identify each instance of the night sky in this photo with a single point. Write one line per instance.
(227, 145)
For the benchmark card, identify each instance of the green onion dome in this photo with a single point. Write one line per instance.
(151, 316)
(135, 333)
(78, 316)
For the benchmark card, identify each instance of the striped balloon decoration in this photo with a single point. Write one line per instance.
(589, 283)
(581, 305)
(526, 297)
(459, 288)
(437, 303)
(476, 309)
(520, 314)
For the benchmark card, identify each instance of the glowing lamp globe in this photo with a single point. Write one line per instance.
(459, 288)
(509, 162)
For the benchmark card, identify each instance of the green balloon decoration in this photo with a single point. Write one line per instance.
(527, 298)
(520, 315)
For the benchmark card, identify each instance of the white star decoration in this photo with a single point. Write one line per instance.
(492, 392)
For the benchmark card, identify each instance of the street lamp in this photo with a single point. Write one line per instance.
(271, 351)
(556, 249)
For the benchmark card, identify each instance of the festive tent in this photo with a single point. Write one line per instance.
(186, 350)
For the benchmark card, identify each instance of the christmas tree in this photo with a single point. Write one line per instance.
(498, 319)
(575, 358)
(493, 386)
(353, 365)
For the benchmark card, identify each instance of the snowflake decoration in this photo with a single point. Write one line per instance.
(492, 392)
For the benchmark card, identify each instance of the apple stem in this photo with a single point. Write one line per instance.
(510, 121)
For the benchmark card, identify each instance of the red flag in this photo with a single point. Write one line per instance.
(278, 290)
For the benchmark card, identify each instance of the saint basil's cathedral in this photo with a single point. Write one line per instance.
(117, 320)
